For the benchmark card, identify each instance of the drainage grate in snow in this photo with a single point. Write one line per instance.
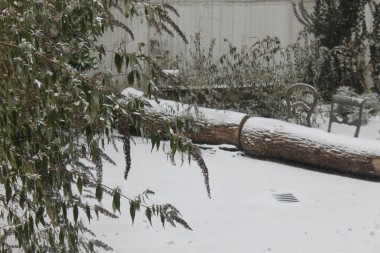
(285, 197)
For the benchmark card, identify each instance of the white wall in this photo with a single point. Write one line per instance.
(238, 21)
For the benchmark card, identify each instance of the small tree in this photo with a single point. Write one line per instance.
(55, 116)
(340, 27)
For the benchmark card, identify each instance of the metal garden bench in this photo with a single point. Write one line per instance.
(304, 96)
(347, 101)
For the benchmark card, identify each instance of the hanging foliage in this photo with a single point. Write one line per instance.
(56, 118)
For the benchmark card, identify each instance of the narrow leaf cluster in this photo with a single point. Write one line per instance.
(58, 111)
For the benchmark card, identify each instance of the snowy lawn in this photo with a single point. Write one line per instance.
(333, 213)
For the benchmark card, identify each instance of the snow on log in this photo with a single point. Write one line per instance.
(270, 138)
(210, 126)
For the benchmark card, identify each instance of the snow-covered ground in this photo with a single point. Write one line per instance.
(333, 213)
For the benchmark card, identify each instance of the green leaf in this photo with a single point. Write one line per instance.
(145, 84)
(116, 201)
(91, 246)
(180, 124)
(173, 145)
(126, 60)
(148, 214)
(61, 237)
(142, 132)
(22, 198)
(72, 242)
(101, 51)
(132, 210)
(162, 218)
(75, 212)
(88, 213)
(131, 78)
(93, 112)
(51, 240)
(31, 224)
(167, 128)
(99, 192)
(40, 216)
(97, 212)
(80, 184)
(64, 211)
(8, 190)
(133, 61)
(153, 140)
(65, 26)
(26, 230)
(96, 99)
(49, 210)
(118, 62)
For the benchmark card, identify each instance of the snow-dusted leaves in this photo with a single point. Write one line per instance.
(126, 138)
(172, 216)
(116, 200)
(197, 156)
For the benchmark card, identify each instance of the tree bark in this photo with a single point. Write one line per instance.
(269, 138)
(208, 125)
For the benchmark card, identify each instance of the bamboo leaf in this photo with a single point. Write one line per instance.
(8, 190)
(51, 240)
(88, 213)
(97, 212)
(116, 201)
(131, 78)
(22, 198)
(64, 211)
(153, 139)
(80, 184)
(61, 237)
(162, 216)
(148, 214)
(31, 224)
(173, 145)
(49, 210)
(99, 192)
(75, 213)
(132, 210)
(118, 59)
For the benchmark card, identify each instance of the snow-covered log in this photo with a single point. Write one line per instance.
(209, 125)
(270, 138)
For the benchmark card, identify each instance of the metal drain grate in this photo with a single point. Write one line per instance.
(285, 197)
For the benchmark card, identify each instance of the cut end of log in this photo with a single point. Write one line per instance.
(376, 165)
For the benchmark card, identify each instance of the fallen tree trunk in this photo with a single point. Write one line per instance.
(219, 127)
(208, 125)
(269, 138)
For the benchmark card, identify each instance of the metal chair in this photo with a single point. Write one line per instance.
(347, 101)
(301, 92)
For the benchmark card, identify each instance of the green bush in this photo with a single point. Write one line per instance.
(251, 79)
(340, 31)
